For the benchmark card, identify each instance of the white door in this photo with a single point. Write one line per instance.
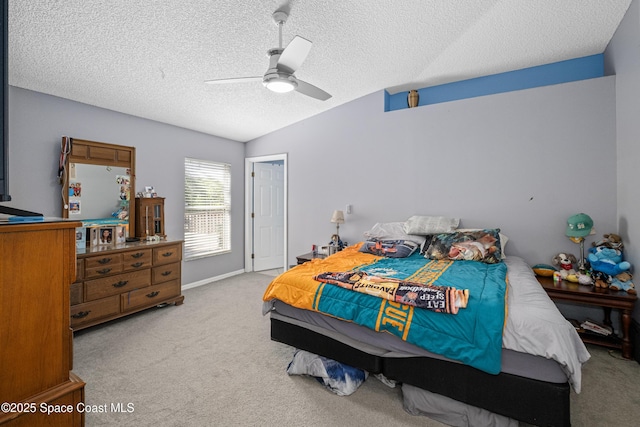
(268, 216)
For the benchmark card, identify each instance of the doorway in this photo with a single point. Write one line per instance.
(266, 213)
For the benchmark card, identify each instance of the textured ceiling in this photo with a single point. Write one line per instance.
(149, 58)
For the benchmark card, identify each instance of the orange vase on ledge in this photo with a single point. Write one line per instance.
(413, 98)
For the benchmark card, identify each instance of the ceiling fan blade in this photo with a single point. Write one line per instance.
(294, 54)
(312, 91)
(234, 80)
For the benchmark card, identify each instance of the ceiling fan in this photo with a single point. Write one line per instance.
(283, 63)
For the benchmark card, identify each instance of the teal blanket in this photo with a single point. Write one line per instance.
(473, 336)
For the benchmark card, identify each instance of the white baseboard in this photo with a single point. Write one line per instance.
(211, 279)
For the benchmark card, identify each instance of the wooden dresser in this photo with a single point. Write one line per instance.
(118, 281)
(37, 266)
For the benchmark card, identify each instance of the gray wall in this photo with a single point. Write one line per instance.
(522, 161)
(37, 122)
(623, 59)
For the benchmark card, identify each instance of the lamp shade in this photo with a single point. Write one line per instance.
(337, 217)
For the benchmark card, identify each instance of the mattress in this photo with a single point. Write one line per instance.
(386, 345)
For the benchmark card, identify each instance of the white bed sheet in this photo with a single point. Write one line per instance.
(534, 324)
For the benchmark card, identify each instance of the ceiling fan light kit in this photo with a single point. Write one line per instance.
(283, 63)
(279, 84)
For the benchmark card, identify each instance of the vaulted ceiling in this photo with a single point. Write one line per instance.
(150, 58)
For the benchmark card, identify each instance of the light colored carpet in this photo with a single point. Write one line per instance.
(273, 273)
(210, 362)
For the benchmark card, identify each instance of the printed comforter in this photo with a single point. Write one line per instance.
(472, 336)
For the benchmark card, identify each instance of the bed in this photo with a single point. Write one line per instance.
(508, 354)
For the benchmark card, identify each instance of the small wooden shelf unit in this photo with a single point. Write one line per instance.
(149, 217)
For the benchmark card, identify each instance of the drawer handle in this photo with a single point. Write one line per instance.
(166, 273)
(153, 294)
(104, 271)
(81, 314)
(104, 260)
(137, 264)
(120, 284)
(137, 255)
(167, 254)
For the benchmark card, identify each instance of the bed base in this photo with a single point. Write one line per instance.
(535, 402)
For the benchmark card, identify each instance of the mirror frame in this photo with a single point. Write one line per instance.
(101, 154)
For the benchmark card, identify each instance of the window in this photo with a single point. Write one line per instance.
(207, 208)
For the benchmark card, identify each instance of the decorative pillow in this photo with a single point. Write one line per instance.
(544, 270)
(424, 225)
(391, 231)
(390, 248)
(479, 245)
(426, 244)
(503, 238)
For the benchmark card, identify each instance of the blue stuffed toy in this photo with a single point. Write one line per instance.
(622, 282)
(607, 260)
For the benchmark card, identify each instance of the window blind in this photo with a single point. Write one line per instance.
(207, 211)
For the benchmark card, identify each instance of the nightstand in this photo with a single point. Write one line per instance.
(308, 257)
(569, 292)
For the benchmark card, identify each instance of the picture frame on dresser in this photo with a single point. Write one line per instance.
(81, 238)
(101, 237)
(106, 236)
(93, 234)
(121, 234)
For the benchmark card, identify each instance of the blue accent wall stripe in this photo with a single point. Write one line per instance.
(587, 67)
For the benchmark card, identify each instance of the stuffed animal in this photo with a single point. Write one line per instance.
(121, 213)
(607, 260)
(613, 241)
(600, 280)
(584, 279)
(337, 242)
(565, 262)
(622, 282)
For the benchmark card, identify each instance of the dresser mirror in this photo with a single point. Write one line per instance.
(98, 182)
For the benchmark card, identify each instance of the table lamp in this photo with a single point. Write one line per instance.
(337, 218)
(579, 226)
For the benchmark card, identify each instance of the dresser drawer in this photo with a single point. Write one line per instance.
(167, 254)
(98, 266)
(102, 260)
(89, 311)
(136, 260)
(76, 293)
(150, 296)
(164, 273)
(112, 285)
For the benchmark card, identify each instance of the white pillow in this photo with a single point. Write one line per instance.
(392, 231)
(425, 225)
